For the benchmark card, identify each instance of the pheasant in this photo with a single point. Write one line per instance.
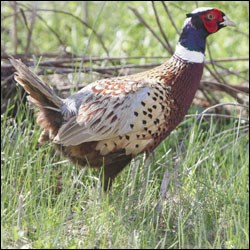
(110, 121)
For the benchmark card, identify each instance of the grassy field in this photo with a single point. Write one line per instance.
(205, 160)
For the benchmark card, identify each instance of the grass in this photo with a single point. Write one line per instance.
(206, 160)
(206, 205)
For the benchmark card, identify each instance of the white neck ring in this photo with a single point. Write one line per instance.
(188, 55)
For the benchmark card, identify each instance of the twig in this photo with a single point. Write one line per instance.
(170, 17)
(220, 115)
(227, 87)
(232, 59)
(170, 49)
(212, 73)
(74, 57)
(30, 29)
(85, 15)
(220, 105)
(231, 72)
(218, 76)
(148, 27)
(67, 69)
(73, 16)
(15, 40)
(83, 23)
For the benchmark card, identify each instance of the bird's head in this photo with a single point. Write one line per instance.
(209, 19)
(199, 24)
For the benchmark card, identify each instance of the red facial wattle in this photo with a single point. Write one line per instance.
(211, 25)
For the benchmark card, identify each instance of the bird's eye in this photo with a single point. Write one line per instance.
(210, 16)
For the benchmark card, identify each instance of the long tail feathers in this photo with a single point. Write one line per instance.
(40, 94)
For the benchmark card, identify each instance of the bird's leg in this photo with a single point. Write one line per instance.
(110, 172)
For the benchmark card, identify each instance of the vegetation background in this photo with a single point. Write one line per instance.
(194, 194)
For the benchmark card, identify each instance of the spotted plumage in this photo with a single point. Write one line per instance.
(110, 121)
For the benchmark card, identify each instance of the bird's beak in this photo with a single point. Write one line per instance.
(227, 22)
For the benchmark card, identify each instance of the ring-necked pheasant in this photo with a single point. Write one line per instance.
(110, 121)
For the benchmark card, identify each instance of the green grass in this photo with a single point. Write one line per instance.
(206, 205)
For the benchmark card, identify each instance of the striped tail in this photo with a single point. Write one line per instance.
(43, 97)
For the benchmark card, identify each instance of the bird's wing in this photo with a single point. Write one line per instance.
(110, 108)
